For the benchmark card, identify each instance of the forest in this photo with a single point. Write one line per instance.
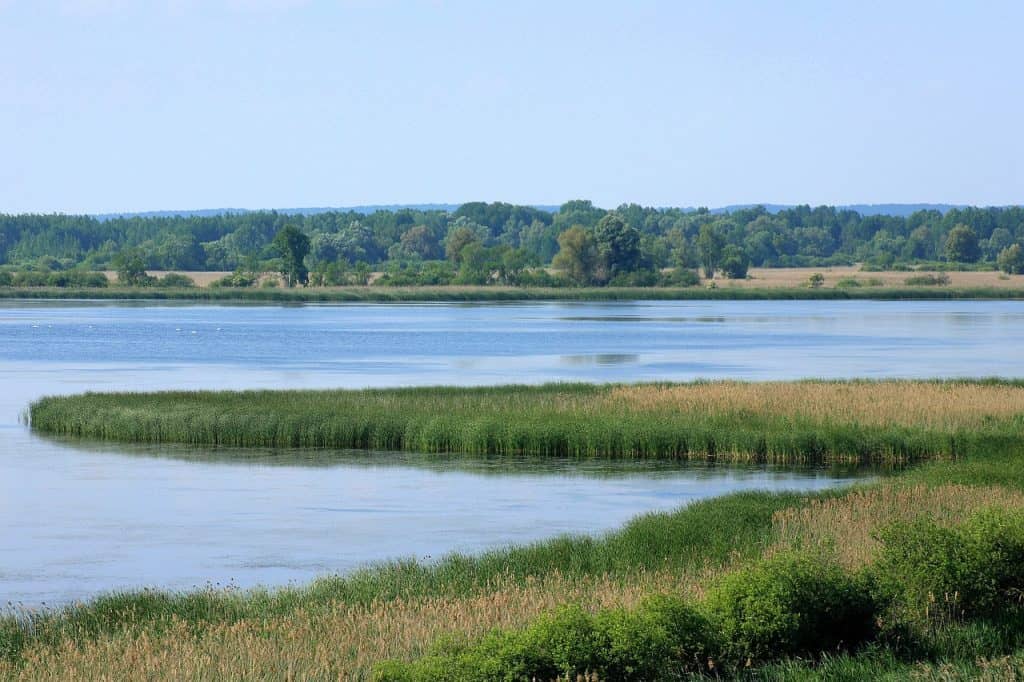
(481, 243)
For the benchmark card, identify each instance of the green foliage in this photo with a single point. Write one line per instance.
(664, 638)
(131, 268)
(235, 280)
(793, 604)
(735, 262)
(680, 277)
(929, 280)
(962, 245)
(1011, 260)
(931, 574)
(6, 279)
(175, 279)
(710, 244)
(293, 245)
(618, 246)
(816, 281)
(577, 255)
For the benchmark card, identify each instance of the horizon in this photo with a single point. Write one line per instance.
(116, 107)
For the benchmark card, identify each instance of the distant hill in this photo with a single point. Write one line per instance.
(901, 210)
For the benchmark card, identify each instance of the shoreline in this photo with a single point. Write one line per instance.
(486, 294)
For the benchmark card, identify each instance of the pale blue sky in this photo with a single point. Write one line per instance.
(110, 105)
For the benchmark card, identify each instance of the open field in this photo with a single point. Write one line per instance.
(758, 278)
(785, 278)
(888, 421)
(963, 509)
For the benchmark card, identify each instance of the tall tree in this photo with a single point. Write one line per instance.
(710, 244)
(577, 255)
(962, 245)
(293, 245)
(618, 245)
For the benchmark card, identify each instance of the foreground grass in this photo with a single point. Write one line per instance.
(342, 628)
(380, 294)
(806, 422)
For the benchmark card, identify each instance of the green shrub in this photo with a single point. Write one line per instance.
(928, 574)
(848, 283)
(679, 277)
(816, 280)
(6, 279)
(664, 638)
(793, 604)
(941, 279)
(175, 279)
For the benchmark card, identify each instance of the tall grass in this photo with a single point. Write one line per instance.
(798, 422)
(341, 627)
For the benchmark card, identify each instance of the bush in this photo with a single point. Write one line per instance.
(928, 574)
(6, 279)
(235, 279)
(791, 605)
(635, 278)
(662, 639)
(848, 283)
(940, 279)
(680, 277)
(816, 280)
(175, 279)
(735, 262)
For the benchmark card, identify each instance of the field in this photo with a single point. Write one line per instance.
(762, 278)
(438, 622)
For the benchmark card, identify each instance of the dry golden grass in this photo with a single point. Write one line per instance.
(785, 278)
(846, 525)
(333, 642)
(1004, 669)
(909, 403)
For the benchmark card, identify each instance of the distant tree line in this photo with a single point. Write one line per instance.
(482, 243)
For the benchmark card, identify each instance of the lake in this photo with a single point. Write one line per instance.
(83, 518)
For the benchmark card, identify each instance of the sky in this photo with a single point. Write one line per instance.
(113, 105)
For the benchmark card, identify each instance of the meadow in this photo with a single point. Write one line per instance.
(918, 574)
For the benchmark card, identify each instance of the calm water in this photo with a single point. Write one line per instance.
(81, 519)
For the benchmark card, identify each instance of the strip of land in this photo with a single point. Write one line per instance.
(913, 575)
(483, 294)
(781, 422)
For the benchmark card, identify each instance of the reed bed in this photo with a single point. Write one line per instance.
(334, 641)
(778, 422)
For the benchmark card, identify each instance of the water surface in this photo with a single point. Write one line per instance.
(78, 519)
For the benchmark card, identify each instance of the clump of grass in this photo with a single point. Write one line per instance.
(805, 422)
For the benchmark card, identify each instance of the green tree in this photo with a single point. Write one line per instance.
(962, 245)
(1011, 260)
(293, 244)
(131, 268)
(735, 262)
(459, 238)
(618, 245)
(577, 255)
(710, 245)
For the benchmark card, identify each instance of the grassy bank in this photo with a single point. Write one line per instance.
(381, 294)
(802, 422)
(931, 527)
